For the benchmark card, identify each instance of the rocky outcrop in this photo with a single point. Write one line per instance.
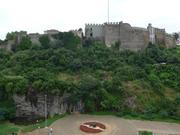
(36, 105)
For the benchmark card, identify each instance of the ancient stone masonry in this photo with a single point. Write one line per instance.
(51, 32)
(78, 33)
(95, 31)
(34, 37)
(133, 38)
(9, 44)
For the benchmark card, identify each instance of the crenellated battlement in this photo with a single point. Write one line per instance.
(160, 30)
(93, 24)
(112, 23)
(106, 23)
(76, 30)
(130, 37)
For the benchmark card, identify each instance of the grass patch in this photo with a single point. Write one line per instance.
(41, 124)
(7, 127)
(103, 113)
(145, 133)
(152, 117)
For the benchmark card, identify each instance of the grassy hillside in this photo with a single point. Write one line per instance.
(136, 83)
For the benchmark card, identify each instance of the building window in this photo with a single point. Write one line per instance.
(91, 34)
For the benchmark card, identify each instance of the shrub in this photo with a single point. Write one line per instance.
(2, 114)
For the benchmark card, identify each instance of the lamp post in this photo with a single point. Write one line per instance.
(45, 110)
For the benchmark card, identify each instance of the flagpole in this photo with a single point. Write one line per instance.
(108, 11)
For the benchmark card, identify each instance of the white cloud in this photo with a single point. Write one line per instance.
(39, 15)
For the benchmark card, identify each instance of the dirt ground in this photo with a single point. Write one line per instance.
(115, 126)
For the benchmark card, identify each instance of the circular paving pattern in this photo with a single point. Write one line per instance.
(92, 127)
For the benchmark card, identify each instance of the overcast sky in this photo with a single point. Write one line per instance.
(40, 15)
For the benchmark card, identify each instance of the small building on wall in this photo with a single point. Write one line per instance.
(51, 32)
(133, 38)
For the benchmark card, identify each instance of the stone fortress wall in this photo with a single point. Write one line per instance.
(133, 38)
(8, 45)
(34, 37)
(111, 33)
(78, 32)
(95, 30)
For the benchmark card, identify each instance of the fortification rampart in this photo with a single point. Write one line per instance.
(77, 32)
(133, 38)
(112, 32)
(170, 41)
(93, 24)
(95, 31)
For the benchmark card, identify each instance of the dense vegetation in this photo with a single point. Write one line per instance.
(105, 79)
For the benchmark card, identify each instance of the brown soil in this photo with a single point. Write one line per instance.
(91, 130)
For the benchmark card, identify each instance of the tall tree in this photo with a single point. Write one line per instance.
(176, 36)
(45, 41)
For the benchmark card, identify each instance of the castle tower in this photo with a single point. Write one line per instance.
(151, 31)
(95, 31)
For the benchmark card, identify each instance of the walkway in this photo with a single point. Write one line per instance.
(115, 126)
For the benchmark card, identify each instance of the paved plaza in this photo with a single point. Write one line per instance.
(69, 125)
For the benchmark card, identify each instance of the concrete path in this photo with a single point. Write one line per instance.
(115, 126)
